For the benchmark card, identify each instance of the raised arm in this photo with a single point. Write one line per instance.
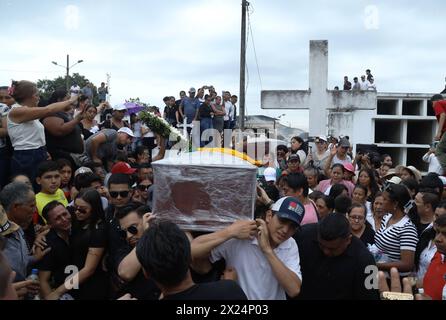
(286, 277)
(57, 127)
(129, 267)
(202, 246)
(25, 114)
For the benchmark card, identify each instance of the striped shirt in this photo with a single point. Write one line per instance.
(399, 236)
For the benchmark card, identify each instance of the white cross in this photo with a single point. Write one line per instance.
(185, 126)
(318, 99)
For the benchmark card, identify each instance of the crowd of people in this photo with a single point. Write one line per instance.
(367, 83)
(76, 208)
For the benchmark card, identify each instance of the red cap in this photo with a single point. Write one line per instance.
(122, 167)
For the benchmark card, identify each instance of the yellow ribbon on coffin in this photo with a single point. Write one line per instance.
(234, 153)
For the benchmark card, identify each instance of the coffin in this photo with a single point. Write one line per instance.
(204, 191)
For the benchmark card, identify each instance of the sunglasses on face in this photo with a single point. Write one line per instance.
(143, 187)
(132, 230)
(115, 194)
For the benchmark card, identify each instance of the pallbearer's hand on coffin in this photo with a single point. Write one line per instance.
(243, 229)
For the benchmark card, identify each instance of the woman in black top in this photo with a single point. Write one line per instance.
(206, 115)
(89, 125)
(62, 131)
(360, 227)
(87, 246)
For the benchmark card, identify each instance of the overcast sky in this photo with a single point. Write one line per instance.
(157, 48)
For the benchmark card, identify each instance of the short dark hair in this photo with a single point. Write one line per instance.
(58, 95)
(164, 252)
(329, 202)
(334, 226)
(336, 190)
(432, 199)
(84, 180)
(342, 203)
(436, 97)
(282, 147)
(441, 221)
(49, 207)
(338, 165)
(46, 166)
(431, 183)
(411, 184)
(126, 210)
(120, 178)
(297, 181)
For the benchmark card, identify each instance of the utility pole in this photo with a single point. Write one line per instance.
(68, 73)
(245, 5)
(67, 68)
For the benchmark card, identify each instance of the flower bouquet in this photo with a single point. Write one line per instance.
(160, 126)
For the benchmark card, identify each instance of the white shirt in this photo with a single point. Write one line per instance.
(426, 257)
(229, 111)
(255, 275)
(364, 85)
(28, 135)
(434, 164)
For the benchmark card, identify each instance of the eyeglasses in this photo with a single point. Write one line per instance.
(81, 210)
(356, 218)
(115, 194)
(132, 230)
(143, 187)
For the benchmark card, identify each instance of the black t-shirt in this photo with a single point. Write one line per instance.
(56, 259)
(140, 287)
(205, 111)
(118, 247)
(170, 113)
(108, 124)
(368, 237)
(421, 227)
(333, 278)
(85, 132)
(71, 142)
(85, 237)
(220, 290)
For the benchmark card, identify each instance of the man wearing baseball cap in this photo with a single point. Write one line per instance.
(103, 146)
(189, 107)
(262, 252)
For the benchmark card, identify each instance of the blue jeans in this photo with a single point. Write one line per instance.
(26, 162)
(205, 124)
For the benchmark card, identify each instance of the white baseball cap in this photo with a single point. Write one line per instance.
(126, 130)
(120, 107)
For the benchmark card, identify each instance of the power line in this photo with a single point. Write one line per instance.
(254, 45)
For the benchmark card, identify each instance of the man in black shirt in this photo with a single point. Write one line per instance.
(165, 254)
(133, 221)
(333, 262)
(52, 267)
(426, 203)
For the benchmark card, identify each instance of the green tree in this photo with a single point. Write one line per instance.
(47, 87)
